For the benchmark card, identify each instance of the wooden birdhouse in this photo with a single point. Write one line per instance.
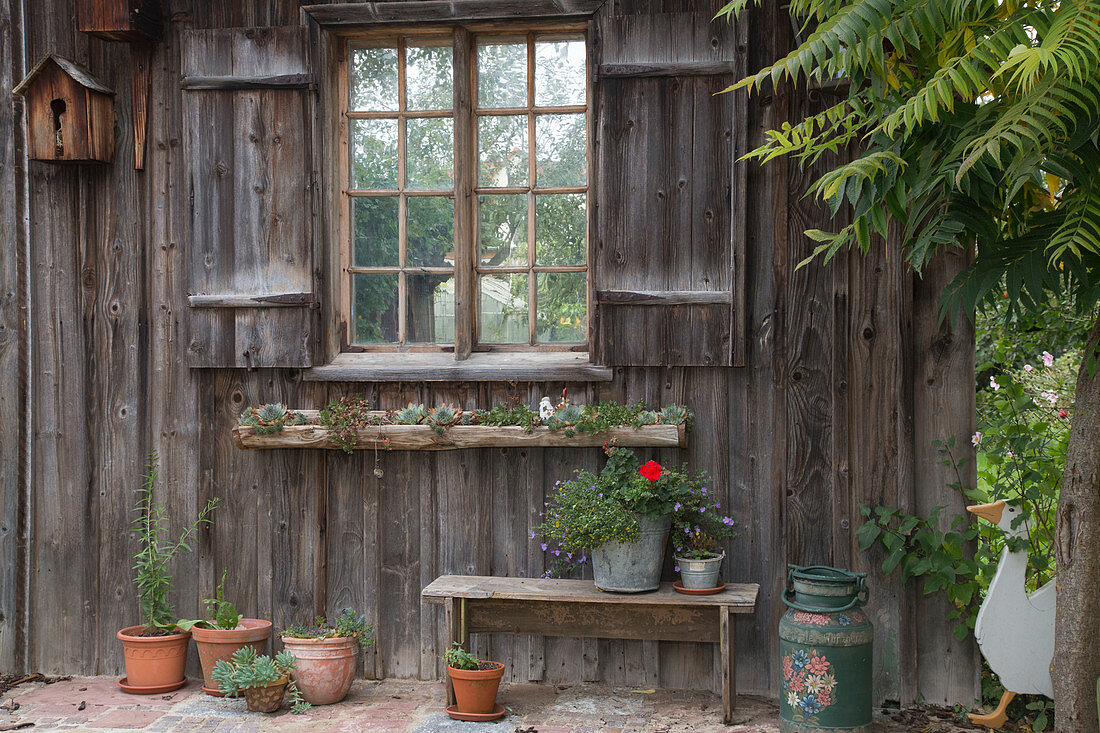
(120, 20)
(70, 114)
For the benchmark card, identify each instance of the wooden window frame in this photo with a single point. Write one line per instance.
(465, 114)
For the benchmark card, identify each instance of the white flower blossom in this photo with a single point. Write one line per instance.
(993, 384)
(976, 439)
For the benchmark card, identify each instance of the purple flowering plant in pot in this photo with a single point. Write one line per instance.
(697, 525)
(623, 504)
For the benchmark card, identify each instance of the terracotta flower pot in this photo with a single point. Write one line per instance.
(153, 661)
(215, 644)
(323, 668)
(476, 689)
(266, 699)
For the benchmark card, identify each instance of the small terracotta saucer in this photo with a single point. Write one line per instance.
(698, 591)
(150, 689)
(498, 712)
(213, 691)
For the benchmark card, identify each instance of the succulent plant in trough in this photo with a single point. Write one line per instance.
(443, 417)
(411, 415)
(270, 419)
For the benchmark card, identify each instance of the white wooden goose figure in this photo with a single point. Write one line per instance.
(1015, 631)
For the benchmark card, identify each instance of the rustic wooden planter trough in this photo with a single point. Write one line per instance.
(423, 437)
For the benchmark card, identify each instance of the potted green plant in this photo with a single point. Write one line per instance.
(697, 525)
(326, 655)
(621, 518)
(155, 651)
(224, 633)
(475, 682)
(261, 680)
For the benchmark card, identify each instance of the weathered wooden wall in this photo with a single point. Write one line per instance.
(848, 379)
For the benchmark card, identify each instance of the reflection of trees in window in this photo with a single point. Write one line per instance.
(532, 152)
(402, 210)
(531, 198)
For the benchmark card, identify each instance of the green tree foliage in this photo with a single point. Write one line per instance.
(977, 123)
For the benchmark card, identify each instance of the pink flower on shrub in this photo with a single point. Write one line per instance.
(1048, 358)
(993, 384)
(1028, 367)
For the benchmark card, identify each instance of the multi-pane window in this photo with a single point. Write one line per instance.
(522, 244)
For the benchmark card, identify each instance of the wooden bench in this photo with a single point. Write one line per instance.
(541, 607)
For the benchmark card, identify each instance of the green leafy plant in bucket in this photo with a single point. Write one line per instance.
(152, 581)
(591, 510)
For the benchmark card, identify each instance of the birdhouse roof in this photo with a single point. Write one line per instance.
(78, 73)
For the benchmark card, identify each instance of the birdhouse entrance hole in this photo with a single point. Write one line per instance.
(58, 108)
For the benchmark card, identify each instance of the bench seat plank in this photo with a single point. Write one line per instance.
(738, 597)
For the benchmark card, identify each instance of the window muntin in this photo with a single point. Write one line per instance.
(526, 249)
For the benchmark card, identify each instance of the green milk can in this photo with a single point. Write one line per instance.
(825, 645)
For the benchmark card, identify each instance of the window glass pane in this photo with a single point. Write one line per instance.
(429, 77)
(560, 145)
(503, 230)
(375, 308)
(502, 143)
(431, 308)
(559, 73)
(503, 304)
(430, 156)
(374, 153)
(430, 230)
(502, 73)
(562, 306)
(373, 79)
(560, 229)
(374, 231)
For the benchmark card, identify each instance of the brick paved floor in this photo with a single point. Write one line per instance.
(391, 706)
(406, 706)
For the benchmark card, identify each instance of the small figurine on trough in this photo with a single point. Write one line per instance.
(1015, 630)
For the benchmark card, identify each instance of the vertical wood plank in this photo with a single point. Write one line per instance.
(13, 330)
(943, 359)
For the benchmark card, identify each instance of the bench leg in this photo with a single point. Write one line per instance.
(454, 612)
(729, 672)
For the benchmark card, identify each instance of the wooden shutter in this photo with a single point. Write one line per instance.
(248, 107)
(668, 238)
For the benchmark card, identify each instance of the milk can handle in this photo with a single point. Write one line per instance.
(859, 599)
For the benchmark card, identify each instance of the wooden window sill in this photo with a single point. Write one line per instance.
(565, 366)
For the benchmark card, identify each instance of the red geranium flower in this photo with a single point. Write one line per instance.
(651, 470)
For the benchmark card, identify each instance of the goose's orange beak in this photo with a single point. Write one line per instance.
(989, 512)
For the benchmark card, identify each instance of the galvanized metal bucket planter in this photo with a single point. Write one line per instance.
(700, 573)
(633, 567)
(825, 647)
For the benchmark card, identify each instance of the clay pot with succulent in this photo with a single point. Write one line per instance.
(475, 682)
(326, 655)
(223, 634)
(155, 651)
(259, 679)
